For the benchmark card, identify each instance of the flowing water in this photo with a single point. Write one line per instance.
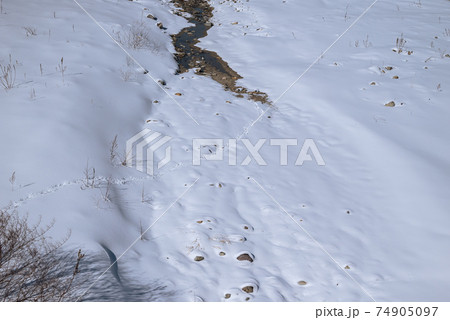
(205, 62)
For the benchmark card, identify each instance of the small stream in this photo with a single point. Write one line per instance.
(205, 62)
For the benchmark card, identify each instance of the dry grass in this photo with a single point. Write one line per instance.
(400, 44)
(30, 31)
(136, 36)
(8, 74)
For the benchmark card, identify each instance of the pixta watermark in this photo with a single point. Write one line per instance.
(307, 152)
(149, 151)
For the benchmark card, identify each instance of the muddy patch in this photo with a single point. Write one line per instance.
(205, 62)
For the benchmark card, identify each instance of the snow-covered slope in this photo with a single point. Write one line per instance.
(370, 224)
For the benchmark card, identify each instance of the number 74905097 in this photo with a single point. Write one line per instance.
(407, 311)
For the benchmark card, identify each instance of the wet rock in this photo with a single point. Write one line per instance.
(390, 104)
(248, 289)
(245, 257)
(199, 258)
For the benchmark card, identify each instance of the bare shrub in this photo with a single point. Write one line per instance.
(106, 191)
(90, 179)
(12, 180)
(145, 198)
(116, 157)
(30, 31)
(8, 74)
(346, 16)
(113, 150)
(32, 268)
(127, 75)
(136, 36)
(366, 42)
(142, 232)
(400, 44)
(32, 94)
(447, 32)
(62, 68)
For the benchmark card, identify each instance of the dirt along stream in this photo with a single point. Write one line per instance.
(205, 62)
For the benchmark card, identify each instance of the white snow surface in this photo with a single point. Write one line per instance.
(380, 206)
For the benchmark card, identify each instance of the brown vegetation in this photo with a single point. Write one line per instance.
(31, 267)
